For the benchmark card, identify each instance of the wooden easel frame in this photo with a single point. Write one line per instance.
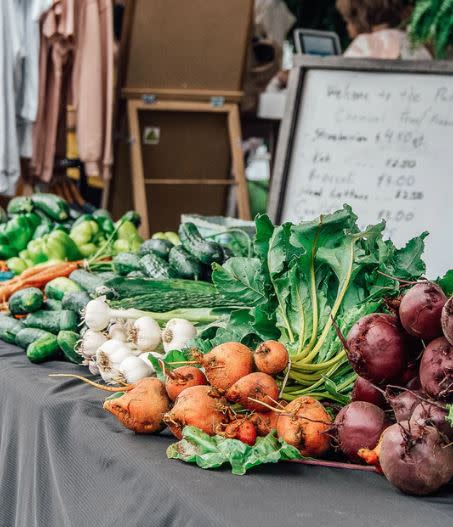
(139, 181)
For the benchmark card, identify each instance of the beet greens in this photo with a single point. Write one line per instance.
(303, 280)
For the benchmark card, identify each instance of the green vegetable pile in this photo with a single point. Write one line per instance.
(305, 280)
(44, 228)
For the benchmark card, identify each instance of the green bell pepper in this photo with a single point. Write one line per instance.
(60, 246)
(88, 249)
(121, 246)
(17, 265)
(128, 231)
(132, 216)
(37, 250)
(26, 256)
(81, 219)
(6, 251)
(19, 232)
(42, 230)
(84, 232)
(33, 220)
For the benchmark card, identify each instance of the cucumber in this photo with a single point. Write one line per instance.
(53, 206)
(75, 301)
(67, 342)
(125, 263)
(28, 335)
(25, 301)
(154, 266)
(52, 321)
(207, 252)
(160, 247)
(184, 264)
(58, 287)
(87, 281)
(45, 348)
(69, 320)
(9, 329)
(52, 305)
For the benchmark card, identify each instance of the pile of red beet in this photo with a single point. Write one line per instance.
(398, 415)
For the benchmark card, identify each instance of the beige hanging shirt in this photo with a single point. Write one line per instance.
(76, 67)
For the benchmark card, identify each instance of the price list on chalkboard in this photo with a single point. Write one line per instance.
(383, 143)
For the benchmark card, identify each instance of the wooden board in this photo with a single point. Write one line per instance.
(180, 45)
(376, 135)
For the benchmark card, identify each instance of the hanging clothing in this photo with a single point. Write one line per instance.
(386, 44)
(9, 65)
(19, 52)
(76, 67)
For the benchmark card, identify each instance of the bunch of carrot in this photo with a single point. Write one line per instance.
(36, 276)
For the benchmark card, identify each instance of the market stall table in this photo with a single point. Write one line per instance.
(66, 462)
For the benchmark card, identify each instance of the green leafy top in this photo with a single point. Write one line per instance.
(213, 452)
(303, 278)
(432, 23)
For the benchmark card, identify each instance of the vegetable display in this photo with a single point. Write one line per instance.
(311, 340)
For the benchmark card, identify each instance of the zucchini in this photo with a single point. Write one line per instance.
(52, 305)
(45, 348)
(75, 301)
(125, 263)
(53, 206)
(9, 329)
(208, 252)
(87, 281)
(154, 266)
(19, 205)
(184, 264)
(52, 321)
(58, 287)
(25, 301)
(28, 335)
(67, 342)
(160, 247)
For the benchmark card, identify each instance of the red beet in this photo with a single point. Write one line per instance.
(428, 414)
(359, 425)
(377, 348)
(415, 460)
(436, 369)
(420, 310)
(403, 404)
(364, 391)
(447, 320)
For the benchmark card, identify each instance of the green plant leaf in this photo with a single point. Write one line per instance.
(446, 282)
(171, 356)
(213, 452)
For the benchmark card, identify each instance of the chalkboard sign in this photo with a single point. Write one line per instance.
(377, 135)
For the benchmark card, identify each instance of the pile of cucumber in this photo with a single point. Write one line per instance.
(49, 321)
(161, 259)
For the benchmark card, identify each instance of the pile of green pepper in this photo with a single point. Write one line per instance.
(43, 227)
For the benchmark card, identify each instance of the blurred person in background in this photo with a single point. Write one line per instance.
(375, 27)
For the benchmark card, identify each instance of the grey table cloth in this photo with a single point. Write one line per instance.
(66, 463)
